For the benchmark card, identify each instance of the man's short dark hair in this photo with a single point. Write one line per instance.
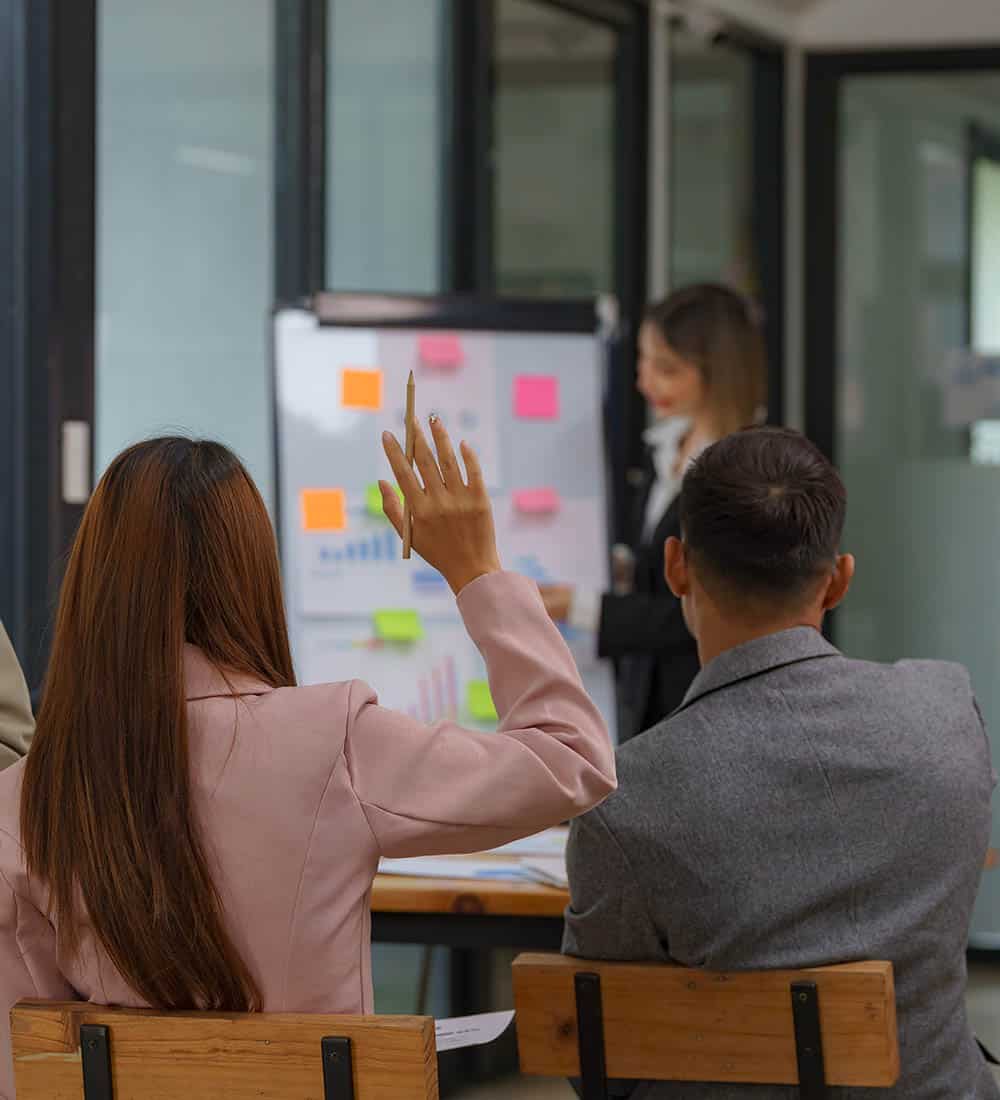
(762, 512)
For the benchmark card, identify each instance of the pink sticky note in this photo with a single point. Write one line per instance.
(536, 396)
(536, 502)
(440, 349)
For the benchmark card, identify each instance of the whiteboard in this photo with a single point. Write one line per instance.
(530, 403)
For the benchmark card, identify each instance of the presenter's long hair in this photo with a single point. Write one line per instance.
(175, 546)
(716, 329)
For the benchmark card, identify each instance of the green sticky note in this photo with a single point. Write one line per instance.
(480, 702)
(398, 626)
(373, 499)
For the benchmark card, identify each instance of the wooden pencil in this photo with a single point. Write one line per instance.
(410, 444)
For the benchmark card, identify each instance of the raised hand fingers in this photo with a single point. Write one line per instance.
(426, 462)
(392, 506)
(474, 473)
(446, 456)
(405, 477)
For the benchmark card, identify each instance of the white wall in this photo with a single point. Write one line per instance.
(832, 24)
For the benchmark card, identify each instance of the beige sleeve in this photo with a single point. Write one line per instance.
(16, 721)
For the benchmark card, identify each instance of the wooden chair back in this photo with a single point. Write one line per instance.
(145, 1055)
(830, 1026)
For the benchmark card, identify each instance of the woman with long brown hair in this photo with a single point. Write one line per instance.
(192, 830)
(702, 370)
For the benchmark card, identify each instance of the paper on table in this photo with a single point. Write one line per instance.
(398, 626)
(548, 870)
(536, 397)
(438, 867)
(470, 1031)
(551, 842)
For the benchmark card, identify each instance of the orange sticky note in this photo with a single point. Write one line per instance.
(324, 510)
(361, 389)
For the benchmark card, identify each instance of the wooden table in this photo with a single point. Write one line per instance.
(466, 913)
(472, 918)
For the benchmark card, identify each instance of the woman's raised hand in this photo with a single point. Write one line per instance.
(452, 516)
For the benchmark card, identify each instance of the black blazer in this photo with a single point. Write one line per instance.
(645, 631)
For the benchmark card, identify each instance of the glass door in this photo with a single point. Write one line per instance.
(717, 206)
(561, 190)
(907, 399)
(554, 149)
(711, 163)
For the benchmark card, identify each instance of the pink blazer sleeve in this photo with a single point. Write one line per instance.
(443, 788)
(28, 967)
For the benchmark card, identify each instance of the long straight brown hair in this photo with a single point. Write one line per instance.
(175, 546)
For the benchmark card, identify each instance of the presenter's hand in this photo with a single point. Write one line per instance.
(558, 600)
(452, 517)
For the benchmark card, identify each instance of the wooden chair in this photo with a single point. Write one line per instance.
(813, 1028)
(82, 1052)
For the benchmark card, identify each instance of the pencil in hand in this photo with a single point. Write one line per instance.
(410, 444)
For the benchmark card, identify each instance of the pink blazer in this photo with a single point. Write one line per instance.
(300, 790)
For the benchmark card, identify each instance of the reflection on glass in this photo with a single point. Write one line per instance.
(184, 224)
(385, 169)
(923, 520)
(986, 253)
(711, 164)
(554, 144)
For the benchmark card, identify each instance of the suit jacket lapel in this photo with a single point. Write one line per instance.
(644, 486)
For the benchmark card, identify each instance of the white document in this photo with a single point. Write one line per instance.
(485, 870)
(547, 870)
(470, 1031)
(551, 842)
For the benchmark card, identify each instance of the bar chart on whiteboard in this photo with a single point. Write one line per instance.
(530, 406)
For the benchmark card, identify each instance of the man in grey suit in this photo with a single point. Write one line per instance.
(799, 808)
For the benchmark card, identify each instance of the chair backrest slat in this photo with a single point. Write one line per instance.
(214, 1056)
(664, 1022)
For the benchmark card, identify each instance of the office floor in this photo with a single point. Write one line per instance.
(984, 1012)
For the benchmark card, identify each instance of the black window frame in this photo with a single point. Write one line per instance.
(47, 214)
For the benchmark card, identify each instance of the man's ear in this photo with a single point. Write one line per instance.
(676, 567)
(840, 582)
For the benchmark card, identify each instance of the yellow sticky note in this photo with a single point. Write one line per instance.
(361, 389)
(373, 499)
(324, 510)
(480, 702)
(398, 626)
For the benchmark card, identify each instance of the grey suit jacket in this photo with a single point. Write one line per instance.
(16, 722)
(801, 809)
